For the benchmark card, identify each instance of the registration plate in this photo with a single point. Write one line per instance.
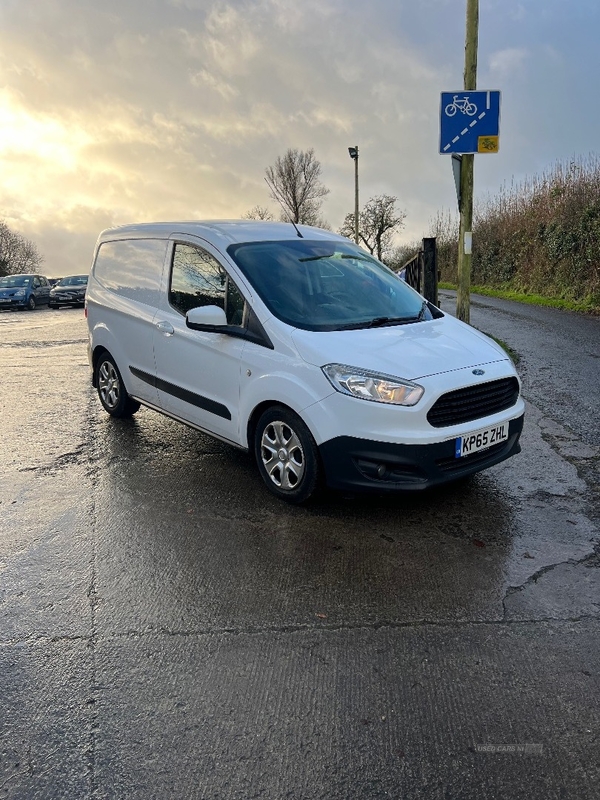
(481, 440)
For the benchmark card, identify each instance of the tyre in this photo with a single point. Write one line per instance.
(286, 455)
(111, 389)
(450, 110)
(471, 109)
(31, 303)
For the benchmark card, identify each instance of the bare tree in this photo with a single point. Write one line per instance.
(377, 223)
(17, 254)
(295, 183)
(259, 212)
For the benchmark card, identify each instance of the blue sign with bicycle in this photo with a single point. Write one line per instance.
(470, 122)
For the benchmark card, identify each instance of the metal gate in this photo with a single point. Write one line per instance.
(420, 271)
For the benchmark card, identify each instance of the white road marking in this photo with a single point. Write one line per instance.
(465, 130)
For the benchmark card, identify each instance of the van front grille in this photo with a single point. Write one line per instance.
(473, 402)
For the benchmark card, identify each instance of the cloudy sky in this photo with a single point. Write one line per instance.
(138, 110)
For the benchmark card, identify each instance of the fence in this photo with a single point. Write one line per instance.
(420, 271)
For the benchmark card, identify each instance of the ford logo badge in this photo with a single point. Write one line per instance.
(478, 372)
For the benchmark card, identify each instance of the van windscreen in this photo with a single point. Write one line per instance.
(327, 285)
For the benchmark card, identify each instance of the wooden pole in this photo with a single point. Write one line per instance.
(466, 173)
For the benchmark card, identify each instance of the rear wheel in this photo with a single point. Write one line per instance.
(286, 455)
(111, 389)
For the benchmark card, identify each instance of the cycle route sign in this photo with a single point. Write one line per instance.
(469, 122)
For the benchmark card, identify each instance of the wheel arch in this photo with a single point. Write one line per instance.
(259, 410)
(102, 341)
(96, 353)
(255, 415)
(296, 393)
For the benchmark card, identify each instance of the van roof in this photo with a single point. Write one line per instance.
(224, 231)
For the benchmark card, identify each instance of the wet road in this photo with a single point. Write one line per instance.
(168, 629)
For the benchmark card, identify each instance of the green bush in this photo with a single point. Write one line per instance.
(541, 236)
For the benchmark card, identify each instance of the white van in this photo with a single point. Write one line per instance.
(296, 345)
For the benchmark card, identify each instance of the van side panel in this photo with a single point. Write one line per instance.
(122, 300)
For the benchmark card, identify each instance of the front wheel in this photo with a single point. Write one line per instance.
(31, 303)
(111, 389)
(286, 455)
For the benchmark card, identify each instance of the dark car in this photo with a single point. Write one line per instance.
(69, 291)
(23, 291)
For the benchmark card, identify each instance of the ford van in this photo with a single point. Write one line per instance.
(292, 343)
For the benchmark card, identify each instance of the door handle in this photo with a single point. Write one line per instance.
(165, 328)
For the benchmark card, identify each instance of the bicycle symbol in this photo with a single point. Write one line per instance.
(463, 105)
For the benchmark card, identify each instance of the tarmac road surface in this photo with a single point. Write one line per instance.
(168, 629)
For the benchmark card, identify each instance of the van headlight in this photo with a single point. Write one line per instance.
(372, 385)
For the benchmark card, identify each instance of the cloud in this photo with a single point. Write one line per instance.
(509, 61)
(155, 109)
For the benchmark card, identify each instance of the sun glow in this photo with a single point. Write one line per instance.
(39, 137)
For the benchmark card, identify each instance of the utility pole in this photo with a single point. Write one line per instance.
(353, 151)
(466, 173)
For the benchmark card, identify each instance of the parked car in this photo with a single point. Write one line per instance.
(296, 345)
(23, 291)
(69, 291)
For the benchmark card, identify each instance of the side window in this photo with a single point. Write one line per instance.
(197, 279)
(36, 283)
(43, 281)
(132, 268)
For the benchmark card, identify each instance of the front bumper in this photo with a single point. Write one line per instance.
(14, 302)
(65, 300)
(352, 463)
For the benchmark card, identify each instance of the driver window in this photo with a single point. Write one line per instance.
(197, 279)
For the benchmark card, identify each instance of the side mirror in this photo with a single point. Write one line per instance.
(205, 318)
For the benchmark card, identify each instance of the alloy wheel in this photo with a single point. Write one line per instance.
(109, 385)
(282, 455)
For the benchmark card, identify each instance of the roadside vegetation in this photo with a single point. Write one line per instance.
(537, 241)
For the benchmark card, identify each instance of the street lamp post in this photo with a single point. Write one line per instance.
(354, 156)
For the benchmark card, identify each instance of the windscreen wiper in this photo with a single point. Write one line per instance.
(377, 322)
(316, 258)
(336, 255)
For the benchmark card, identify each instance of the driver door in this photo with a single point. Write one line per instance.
(198, 373)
